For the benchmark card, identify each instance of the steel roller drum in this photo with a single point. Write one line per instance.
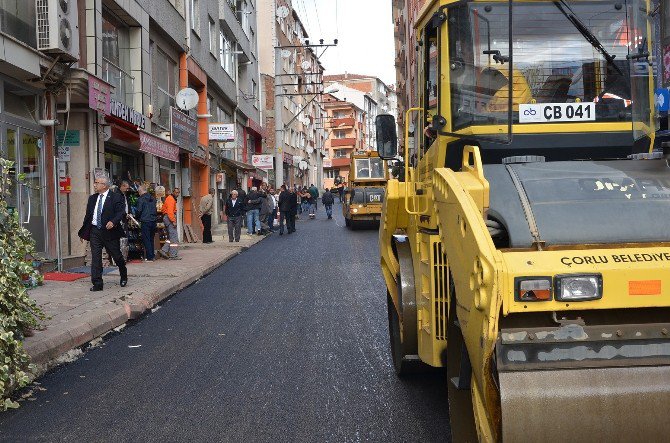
(626, 404)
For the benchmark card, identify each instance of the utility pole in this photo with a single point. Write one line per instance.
(279, 123)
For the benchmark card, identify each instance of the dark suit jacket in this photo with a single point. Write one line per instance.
(288, 201)
(236, 210)
(113, 210)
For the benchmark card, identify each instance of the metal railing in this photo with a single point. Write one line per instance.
(124, 83)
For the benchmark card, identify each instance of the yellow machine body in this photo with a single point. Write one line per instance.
(553, 370)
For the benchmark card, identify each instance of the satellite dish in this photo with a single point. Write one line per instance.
(302, 165)
(310, 150)
(282, 12)
(306, 65)
(187, 99)
(285, 53)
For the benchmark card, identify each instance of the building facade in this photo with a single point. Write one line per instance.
(369, 93)
(113, 107)
(346, 126)
(292, 78)
(405, 13)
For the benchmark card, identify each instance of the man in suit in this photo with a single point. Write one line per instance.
(102, 227)
(235, 211)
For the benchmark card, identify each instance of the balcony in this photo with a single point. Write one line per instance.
(124, 83)
(340, 162)
(337, 142)
(344, 122)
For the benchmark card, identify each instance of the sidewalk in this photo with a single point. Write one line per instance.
(79, 315)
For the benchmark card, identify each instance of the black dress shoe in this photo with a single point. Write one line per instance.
(123, 282)
(95, 288)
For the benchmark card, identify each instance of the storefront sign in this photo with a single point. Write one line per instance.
(127, 114)
(222, 132)
(262, 161)
(99, 95)
(327, 163)
(288, 159)
(159, 147)
(184, 130)
(200, 153)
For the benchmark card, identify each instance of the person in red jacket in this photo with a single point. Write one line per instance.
(170, 221)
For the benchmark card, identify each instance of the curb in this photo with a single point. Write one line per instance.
(64, 338)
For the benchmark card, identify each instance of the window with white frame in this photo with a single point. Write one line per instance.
(332, 173)
(243, 12)
(166, 87)
(341, 153)
(340, 133)
(254, 92)
(227, 56)
(194, 10)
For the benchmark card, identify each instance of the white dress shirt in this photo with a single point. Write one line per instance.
(95, 209)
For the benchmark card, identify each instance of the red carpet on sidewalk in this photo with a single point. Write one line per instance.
(63, 276)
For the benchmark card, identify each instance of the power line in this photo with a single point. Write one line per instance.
(316, 9)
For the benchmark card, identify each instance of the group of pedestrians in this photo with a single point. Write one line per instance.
(258, 207)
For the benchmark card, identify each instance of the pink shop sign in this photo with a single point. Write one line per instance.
(98, 94)
(159, 147)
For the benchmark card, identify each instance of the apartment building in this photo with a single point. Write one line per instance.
(369, 93)
(110, 104)
(404, 16)
(347, 132)
(292, 78)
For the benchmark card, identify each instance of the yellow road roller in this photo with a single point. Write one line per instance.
(527, 249)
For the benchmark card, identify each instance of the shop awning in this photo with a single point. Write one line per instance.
(158, 146)
(238, 165)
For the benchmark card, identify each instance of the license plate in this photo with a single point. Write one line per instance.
(557, 112)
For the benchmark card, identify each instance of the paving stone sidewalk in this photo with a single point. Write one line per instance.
(79, 315)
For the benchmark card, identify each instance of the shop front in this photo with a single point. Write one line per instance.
(123, 159)
(22, 141)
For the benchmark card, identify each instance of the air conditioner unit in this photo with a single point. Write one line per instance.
(58, 28)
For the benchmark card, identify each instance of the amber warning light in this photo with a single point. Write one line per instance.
(644, 287)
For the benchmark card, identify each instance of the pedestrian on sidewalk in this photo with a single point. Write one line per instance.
(235, 211)
(206, 209)
(266, 209)
(169, 249)
(146, 215)
(252, 207)
(272, 200)
(328, 201)
(313, 199)
(288, 203)
(102, 228)
(340, 191)
(242, 195)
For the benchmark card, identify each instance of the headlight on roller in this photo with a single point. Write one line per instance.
(579, 287)
(532, 289)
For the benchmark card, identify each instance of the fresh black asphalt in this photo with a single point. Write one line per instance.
(287, 342)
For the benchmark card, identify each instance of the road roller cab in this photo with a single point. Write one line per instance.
(368, 174)
(527, 249)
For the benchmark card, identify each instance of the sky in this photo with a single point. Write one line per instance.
(364, 29)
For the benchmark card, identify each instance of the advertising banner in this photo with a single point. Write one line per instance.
(262, 161)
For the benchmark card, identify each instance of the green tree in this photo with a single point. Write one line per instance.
(18, 312)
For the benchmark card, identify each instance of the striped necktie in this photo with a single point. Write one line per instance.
(98, 214)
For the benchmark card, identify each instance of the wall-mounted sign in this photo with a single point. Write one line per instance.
(222, 132)
(69, 138)
(98, 94)
(127, 114)
(288, 159)
(262, 161)
(159, 147)
(327, 163)
(64, 185)
(184, 130)
(63, 153)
